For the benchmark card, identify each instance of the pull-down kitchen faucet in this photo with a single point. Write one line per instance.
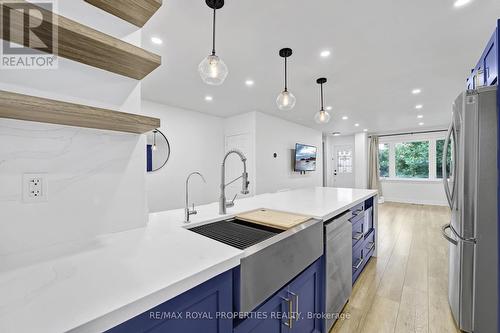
(223, 204)
(188, 212)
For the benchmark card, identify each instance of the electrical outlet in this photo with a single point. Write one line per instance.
(35, 187)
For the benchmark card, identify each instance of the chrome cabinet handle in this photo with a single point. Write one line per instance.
(357, 212)
(290, 310)
(296, 304)
(445, 235)
(371, 246)
(359, 264)
(358, 236)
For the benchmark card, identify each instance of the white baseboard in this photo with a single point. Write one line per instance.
(416, 202)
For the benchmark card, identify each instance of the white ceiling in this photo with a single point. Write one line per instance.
(380, 51)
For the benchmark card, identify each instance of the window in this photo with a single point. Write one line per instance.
(412, 159)
(344, 161)
(383, 159)
(439, 158)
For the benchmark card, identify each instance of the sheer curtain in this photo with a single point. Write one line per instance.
(373, 176)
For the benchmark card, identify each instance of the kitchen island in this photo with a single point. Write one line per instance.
(96, 285)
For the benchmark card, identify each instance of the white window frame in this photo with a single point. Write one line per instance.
(393, 140)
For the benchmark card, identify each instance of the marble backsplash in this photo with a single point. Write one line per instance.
(96, 184)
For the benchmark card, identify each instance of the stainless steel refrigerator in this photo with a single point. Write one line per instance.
(471, 182)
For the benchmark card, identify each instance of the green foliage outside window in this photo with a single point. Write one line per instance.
(383, 159)
(439, 158)
(412, 159)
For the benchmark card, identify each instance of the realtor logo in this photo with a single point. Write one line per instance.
(29, 35)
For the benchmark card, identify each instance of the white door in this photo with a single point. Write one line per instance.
(343, 166)
(234, 166)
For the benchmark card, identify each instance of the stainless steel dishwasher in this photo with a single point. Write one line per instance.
(338, 266)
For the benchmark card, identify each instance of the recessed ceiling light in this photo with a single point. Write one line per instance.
(420, 116)
(461, 3)
(329, 108)
(416, 91)
(418, 106)
(345, 117)
(325, 53)
(249, 83)
(156, 40)
(365, 130)
(209, 98)
(357, 125)
(420, 124)
(336, 133)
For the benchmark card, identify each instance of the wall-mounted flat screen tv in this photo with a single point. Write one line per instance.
(305, 157)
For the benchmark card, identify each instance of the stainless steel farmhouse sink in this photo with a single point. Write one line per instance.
(236, 233)
(272, 257)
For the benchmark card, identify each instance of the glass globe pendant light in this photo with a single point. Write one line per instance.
(322, 116)
(286, 100)
(212, 69)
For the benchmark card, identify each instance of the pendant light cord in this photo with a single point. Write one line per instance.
(213, 35)
(322, 109)
(286, 78)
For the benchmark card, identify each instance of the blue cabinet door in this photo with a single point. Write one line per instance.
(491, 61)
(270, 317)
(197, 310)
(292, 309)
(305, 292)
(485, 73)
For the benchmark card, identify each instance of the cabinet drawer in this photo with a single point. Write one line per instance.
(357, 261)
(369, 242)
(358, 209)
(356, 218)
(357, 231)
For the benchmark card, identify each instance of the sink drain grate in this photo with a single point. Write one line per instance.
(234, 233)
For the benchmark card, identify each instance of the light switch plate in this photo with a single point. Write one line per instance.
(35, 187)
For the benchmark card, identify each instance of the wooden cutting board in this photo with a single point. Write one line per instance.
(273, 218)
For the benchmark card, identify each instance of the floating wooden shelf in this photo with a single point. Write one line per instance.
(25, 107)
(83, 44)
(137, 12)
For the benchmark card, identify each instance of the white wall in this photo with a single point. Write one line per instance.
(414, 191)
(96, 179)
(95, 184)
(275, 135)
(197, 144)
(239, 134)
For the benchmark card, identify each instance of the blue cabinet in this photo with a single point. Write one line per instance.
(491, 61)
(485, 73)
(272, 316)
(292, 308)
(306, 292)
(197, 310)
(363, 236)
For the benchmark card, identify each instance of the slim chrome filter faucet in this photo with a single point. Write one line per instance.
(188, 212)
(223, 204)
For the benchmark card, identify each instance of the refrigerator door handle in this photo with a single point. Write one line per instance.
(445, 235)
(462, 239)
(449, 195)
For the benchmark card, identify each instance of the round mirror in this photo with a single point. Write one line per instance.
(157, 150)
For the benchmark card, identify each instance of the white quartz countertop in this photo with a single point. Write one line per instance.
(93, 286)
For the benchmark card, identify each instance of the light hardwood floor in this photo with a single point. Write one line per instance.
(404, 289)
